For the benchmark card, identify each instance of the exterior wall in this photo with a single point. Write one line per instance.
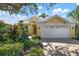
(70, 26)
(32, 22)
(38, 30)
(72, 31)
(30, 29)
(52, 20)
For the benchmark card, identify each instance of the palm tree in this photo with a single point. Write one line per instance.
(74, 14)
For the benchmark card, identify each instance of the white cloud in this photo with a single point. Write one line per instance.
(64, 16)
(39, 14)
(11, 19)
(77, 3)
(60, 11)
(65, 10)
(40, 7)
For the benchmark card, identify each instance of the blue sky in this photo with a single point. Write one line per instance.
(61, 9)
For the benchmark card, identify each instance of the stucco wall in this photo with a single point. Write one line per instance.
(72, 31)
(32, 22)
(50, 21)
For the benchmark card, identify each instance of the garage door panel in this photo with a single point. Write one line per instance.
(55, 32)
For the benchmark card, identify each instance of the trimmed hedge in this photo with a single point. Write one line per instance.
(11, 49)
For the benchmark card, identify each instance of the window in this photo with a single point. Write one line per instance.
(63, 26)
(60, 26)
(57, 26)
(66, 26)
(50, 26)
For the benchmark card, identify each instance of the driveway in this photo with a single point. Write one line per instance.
(60, 47)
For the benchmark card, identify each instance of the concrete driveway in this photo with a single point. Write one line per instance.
(60, 47)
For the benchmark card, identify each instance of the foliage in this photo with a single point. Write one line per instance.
(77, 35)
(11, 49)
(29, 44)
(24, 8)
(35, 52)
(17, 33)
(32, 42)
(36, 37)
(22, 32)
(3, 31)
(75, 13)
(43, 15)
(14, 39)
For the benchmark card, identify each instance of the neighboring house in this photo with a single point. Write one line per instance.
(51, 27)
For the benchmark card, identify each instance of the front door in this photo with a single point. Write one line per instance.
(34, 29)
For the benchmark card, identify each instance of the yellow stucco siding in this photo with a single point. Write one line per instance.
(38, 30)
(30, 30)
(72, 31)
(51, 20)
(55, 20)
(30, 26)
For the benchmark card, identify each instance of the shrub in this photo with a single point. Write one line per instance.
(11, 49)
(29, 44)
(35, 52)
(36, 37)
(77, 35)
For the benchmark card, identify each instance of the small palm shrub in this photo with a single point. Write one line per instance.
(34, 41)
(11, 49)
(29, 44)
(35, 52)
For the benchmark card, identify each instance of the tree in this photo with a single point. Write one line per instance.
(43, 15)
(3, 31)
(75, 13)
(23, 7)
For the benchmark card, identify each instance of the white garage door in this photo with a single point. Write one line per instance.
(55, 32)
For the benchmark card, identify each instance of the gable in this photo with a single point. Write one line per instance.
(55, 20)
(33, 20)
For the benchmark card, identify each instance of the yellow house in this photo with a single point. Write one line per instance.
(51, 27)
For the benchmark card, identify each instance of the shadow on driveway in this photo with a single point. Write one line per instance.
(60, 40)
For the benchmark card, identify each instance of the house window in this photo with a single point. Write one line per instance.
(57, 26)
(60, 26)
(66, 26)
(63, 26)
(51, 26)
